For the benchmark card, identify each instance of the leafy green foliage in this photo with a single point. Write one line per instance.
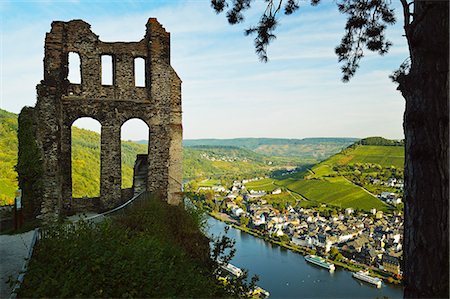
(8, 157)
(380, 141)
(154, 250)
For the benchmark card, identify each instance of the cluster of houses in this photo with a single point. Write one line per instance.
(391, 182)
(373, 239)
(389, 197)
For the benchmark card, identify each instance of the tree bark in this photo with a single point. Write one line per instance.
(426, 127)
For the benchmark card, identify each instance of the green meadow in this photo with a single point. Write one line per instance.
(267, 185)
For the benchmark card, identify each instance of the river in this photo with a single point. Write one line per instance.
(286, 274)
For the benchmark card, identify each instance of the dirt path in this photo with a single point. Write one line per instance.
(13, 251)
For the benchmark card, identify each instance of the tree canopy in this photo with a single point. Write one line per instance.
(365, 28)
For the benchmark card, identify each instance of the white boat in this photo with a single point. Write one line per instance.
(364, 276)
(231, 268)
(319, 261)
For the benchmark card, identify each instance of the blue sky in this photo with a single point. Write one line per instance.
(227, 92)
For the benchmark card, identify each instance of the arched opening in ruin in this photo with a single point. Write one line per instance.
(139, 72)
(134, 137)
(74, 75)
(107, 70)
(85, 134)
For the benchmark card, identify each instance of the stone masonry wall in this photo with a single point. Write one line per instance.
(60, 103)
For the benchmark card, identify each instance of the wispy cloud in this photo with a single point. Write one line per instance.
(227, 92)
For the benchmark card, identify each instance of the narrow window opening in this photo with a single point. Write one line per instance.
(74, 68)
(107, 70)
(139, 72)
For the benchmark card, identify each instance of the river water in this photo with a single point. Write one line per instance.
(286, 274)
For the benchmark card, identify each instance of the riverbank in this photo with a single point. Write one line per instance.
(353, 267)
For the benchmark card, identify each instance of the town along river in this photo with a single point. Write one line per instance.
(286, 274)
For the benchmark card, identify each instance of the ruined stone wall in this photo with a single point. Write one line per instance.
(60, 103)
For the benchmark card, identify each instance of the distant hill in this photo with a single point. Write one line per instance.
(307, 148)
(231, 162)
(254, 143)
(380, 141)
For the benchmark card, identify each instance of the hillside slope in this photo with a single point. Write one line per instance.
(307, 148)
(228, 162)
(344, 180)
(8, 156)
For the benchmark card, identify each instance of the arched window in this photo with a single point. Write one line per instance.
(139, 72)
(134, 135)
(86, 158)
(107, 70)
(74, 76)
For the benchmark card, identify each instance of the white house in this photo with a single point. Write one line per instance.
(237, 212)
(276, 191)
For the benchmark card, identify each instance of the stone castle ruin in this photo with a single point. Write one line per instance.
(60, 103)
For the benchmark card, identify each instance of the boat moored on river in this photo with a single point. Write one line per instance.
(364, 276)
(319, 261)
(231, 268)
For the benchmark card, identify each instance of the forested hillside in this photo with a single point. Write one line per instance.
(307, 148)
(229, 162)
(8, 156)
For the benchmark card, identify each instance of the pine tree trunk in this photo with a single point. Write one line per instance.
(426, 126)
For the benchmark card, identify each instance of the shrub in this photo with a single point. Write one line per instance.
(153, 250)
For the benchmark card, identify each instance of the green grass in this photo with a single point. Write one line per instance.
(385, 156)
(321, 184)
(155, 250)
(336, 192)
(267, 185)
(281, 200)
(208, 183)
